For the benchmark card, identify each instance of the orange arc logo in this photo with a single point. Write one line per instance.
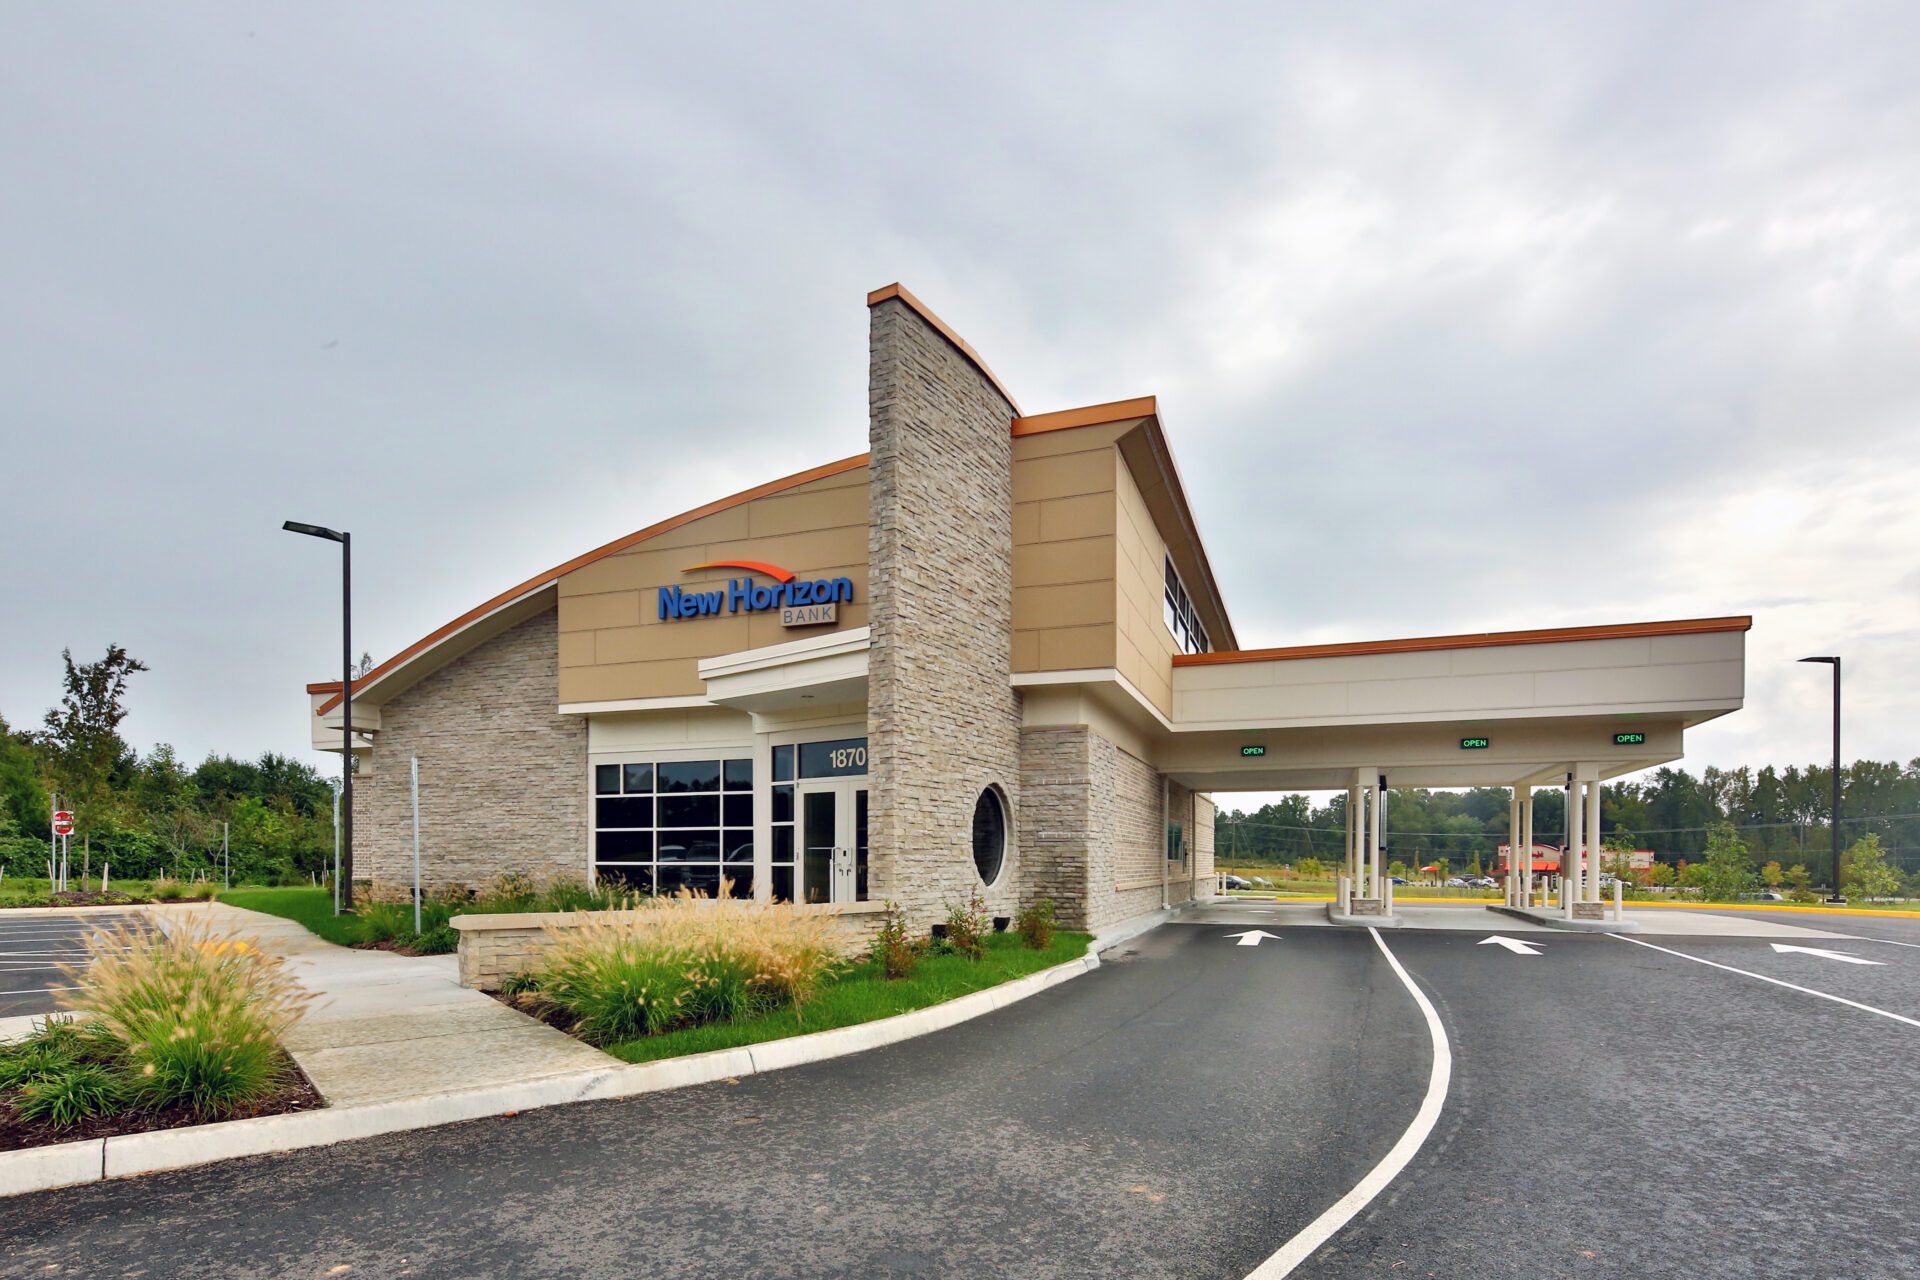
(751, 566)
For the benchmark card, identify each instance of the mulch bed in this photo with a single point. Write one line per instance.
(540, 1010)
(84, 898)
(297, 1094)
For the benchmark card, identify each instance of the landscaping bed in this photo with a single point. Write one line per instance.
(171, 1028)
(685, 976)
(388, 926)
(17, 1132)
(27, 892)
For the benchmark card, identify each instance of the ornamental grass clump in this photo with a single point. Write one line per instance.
(682, 961)
(196, 1020)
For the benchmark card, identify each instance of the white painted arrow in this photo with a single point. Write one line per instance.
(1824, 954)
(1251, 938)
(1514, 945)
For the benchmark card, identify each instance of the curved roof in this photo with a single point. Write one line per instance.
(539, 582)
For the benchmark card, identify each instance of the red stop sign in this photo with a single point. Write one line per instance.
(63, 822)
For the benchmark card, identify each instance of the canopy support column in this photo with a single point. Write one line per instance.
(1572, 857)
(1513, 850)
(1526, 842)
(1593, 837)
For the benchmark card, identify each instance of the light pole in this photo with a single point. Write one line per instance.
(1835, 823)
(344, 879)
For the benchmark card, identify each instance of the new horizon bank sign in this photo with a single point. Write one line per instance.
(802, 602)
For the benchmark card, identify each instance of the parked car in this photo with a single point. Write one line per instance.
(1766, 895)
(1235, 882)
(1485, 882)
(1399, 879)
(1456, 882)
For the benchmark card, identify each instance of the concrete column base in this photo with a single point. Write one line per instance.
(1590, 910)
(1364, 911)
(1553, 918)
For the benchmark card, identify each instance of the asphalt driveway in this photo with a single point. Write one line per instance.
(1170, 1114)
(33, 946)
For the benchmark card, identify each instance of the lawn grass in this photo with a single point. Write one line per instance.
(310, 908)
(861, 994)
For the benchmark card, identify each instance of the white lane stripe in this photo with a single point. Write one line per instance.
(1321, 1229)
(1791, 986)
(1889, 941)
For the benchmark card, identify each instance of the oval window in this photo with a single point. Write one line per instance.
(989, 835)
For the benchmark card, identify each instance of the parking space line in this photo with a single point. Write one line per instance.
(1316, 1233)
(1791, 986)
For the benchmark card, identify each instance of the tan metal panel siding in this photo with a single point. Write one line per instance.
(818, 530)
(1063, 553)
(1145, 646)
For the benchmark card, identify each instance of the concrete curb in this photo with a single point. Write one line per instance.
(96, 1159)
(1554, 920)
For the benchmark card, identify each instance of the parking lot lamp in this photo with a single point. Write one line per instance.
(1835, 820)
(344, 878)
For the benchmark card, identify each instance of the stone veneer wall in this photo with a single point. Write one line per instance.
(1056, 823)
(493, 948)
(503, 777)
(942, 718)
(1091, 811)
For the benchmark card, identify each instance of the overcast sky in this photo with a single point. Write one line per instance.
(1461, 318)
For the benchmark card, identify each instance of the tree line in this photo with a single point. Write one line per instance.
(1778, 815)
(151, 815)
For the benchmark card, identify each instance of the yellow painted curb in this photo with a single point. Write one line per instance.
(1781, 906)
(1634, 903)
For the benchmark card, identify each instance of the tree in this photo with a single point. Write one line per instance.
(83, 733)
(1618, 863)
(23, 801)
(1728, 871)
(1310, 868)
(1475, 867)
(1867, 873)
(1660, 874)
(1771, 875)
(1440, 866)
(1799, 883)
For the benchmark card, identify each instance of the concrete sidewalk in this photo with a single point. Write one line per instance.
(387, 1027)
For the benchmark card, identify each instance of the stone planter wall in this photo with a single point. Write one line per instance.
(495, 947)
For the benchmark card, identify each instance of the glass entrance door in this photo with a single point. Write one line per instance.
(833, 840)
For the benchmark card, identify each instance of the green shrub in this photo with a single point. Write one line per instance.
(573, 895)
(196, 1018)
(74, 1092)
(516, 984)
(511, 891)
(386, 921)
(440, 940)
(967, 927)
(891, 949)
(201, 891)
(166, 889)
(1036, 924)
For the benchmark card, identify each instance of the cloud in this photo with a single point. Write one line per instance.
(1461, 320)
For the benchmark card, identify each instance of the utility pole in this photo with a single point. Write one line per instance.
(1838, 895)
(344, 885)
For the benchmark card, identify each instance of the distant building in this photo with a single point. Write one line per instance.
(1546, 859)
